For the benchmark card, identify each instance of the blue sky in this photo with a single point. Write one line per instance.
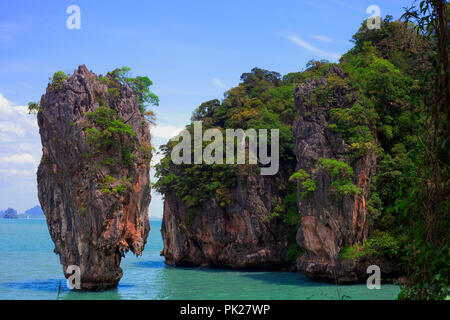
(192, 50)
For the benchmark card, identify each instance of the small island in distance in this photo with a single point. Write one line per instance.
(32, 213)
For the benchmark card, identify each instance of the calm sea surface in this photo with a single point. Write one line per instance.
(30, 270)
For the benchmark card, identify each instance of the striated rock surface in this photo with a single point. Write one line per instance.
(328, 222)
(93, 179)
(235, 236)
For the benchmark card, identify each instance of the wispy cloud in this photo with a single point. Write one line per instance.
(347, 5)
(219, 83)
(8, 30)
(11, 127)
(26, 146)
(7, 109)
(322, 38)
(19, 158)
(9, 66)
(5, 106)
(165, 132)
(161, 135)
(306, 45)
(16, 172)
(178, 92)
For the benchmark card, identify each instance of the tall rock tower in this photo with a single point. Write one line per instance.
(93, 179)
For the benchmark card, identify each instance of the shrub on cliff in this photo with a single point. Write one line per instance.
(140, 84)
(378, 245)
(57, 80)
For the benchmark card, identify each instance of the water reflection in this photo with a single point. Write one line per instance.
(49, 285)
(112, 294)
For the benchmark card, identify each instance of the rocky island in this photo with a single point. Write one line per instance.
(328, 212)
(93, 178)
(9, 213)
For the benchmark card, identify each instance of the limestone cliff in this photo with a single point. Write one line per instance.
(93, 179)
(328, 221)
(235, 236)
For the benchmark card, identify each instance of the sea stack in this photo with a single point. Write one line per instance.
(93, 179)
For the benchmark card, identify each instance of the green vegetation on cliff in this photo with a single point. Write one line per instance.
(110, 140)
(57, 80)
(140, 85)
(394, 72)
(263, 100)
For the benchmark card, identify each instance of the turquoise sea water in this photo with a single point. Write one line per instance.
(30, 270)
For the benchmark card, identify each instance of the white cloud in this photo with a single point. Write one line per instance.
(165, 132)
(5, 106)
(4, 138)
(22, 110)
(19, 158)
(20, 151)
(302, 43)
(161, 135)
(322, 38)
(156, 158)
(17, 172)
(11, 127)
(219, 83)
(16, 119)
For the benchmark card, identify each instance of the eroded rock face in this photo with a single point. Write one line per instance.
(235, 236)
(94, 194)
(328, 222)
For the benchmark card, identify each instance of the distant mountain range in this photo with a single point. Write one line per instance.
(32, 213)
